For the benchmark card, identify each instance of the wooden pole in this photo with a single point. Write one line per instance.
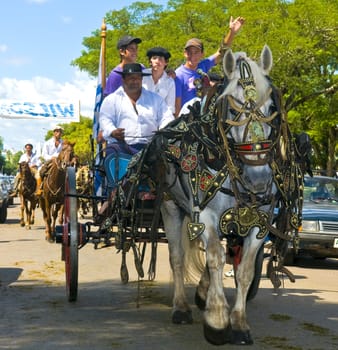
(103, 48)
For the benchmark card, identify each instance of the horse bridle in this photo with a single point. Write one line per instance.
(259, 146)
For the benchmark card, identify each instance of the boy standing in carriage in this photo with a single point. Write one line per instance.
(195, 65)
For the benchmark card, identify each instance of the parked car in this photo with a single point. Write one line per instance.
(9, 185)
(318, 235)
(4, 197)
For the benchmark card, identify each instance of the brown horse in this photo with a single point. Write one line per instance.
(28, 199)
(53, 188)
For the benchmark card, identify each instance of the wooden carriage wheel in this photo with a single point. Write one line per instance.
(70, 235)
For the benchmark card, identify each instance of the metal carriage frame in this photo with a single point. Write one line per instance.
(129, 224)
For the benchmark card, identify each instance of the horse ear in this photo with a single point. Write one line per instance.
(229, 63)
(266, 59)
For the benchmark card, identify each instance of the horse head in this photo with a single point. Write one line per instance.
(248, 117)
(66, 155)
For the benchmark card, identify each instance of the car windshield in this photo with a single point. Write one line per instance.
(321, 190)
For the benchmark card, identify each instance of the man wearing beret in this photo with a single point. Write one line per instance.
(128, 50)
(159, 81)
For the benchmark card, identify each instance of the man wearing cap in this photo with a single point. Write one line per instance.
(159, 81)
(53, 146)
(193, 53)
(33, 161)
(51, 149)
(130, 116)
(128, 50)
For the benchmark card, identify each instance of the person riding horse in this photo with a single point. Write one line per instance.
(51, 149)
(34, 162)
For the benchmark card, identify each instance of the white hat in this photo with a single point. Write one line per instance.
(58, 127)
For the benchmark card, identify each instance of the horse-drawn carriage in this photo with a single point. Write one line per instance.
(228, 170)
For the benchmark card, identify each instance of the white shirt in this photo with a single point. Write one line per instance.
(49, 150)
(32, 160)
(117, 111)
(165, 87)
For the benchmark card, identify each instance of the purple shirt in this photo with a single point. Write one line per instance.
(114, 80)
(184, 81)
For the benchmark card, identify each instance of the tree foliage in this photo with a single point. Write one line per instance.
(301, 34)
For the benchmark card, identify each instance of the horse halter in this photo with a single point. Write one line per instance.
(256, 151)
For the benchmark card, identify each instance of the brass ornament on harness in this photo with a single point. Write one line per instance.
(241, 220)
(195, 229)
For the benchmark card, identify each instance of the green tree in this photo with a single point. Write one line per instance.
(301, 34)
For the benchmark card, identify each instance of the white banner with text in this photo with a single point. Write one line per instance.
(60, 111)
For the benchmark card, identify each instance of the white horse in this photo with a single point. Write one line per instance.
(220, 168)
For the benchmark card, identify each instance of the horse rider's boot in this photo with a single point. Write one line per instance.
(38, 191)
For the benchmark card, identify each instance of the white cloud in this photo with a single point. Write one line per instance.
(37, 1)
(17, 132)
(3, 48)
(66, 19)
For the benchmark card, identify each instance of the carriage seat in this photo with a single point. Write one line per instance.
(115, 166)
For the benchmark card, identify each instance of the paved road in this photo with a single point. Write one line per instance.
(34, 312)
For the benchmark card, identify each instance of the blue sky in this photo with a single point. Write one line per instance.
(38, 40)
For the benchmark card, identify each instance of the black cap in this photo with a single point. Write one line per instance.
(158, 51)
(126, 40)
(132, 68)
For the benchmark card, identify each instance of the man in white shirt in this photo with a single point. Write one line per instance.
(130, 115)
(34, 162)
(53, 146)
(159, 81)
(51, 149)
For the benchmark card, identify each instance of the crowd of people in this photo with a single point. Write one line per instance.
(138, 100)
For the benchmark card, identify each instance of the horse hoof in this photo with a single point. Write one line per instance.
(200, 303)
(241, 337)
(22, 224)
(182, 317)
(28, 227)
(49, 239)
(216, 336)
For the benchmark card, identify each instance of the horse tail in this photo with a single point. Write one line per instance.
(194, 255)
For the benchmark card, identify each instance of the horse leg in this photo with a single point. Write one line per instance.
(61, 212)
(33, 206)
(22, 211)
(46, 209)
(28, 214)
(173, 219)
(216, 314)
(244, 277)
